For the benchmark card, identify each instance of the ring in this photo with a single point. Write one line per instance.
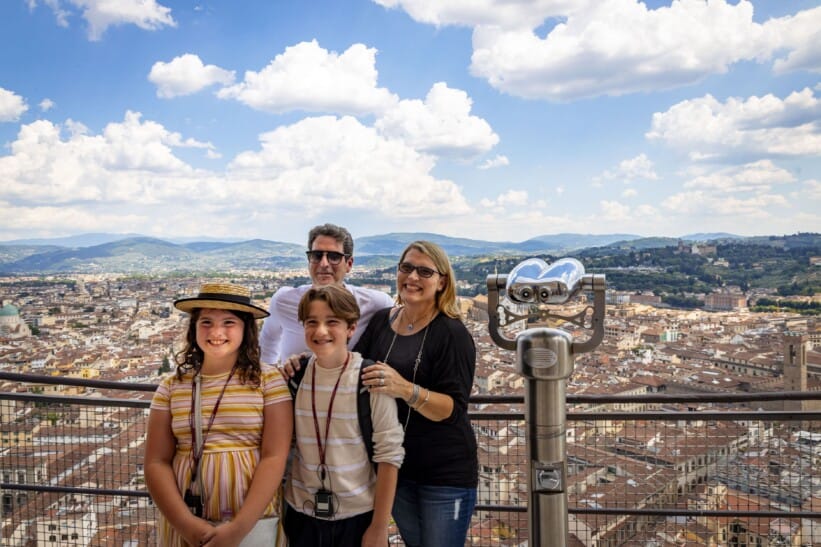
(381, 373)
(381, 381)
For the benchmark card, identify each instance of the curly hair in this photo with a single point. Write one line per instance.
(247, 365)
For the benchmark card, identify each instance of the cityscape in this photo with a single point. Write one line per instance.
(124, 329)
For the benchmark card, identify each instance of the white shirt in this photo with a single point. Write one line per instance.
(282, 334)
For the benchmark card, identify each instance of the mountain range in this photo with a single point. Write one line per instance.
(134, 253)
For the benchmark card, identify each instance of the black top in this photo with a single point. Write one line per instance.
(436, 453)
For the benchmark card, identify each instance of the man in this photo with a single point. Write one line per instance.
(330, 258)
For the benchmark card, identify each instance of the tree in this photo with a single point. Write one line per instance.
(165, 366)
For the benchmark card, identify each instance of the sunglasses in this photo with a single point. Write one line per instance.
(334, 258)
(423, 271)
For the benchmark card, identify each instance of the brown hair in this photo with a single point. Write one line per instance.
(446, 298)
(248, 367)
(340, 300)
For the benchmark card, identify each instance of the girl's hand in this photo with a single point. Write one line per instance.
(199, 533)
(225, 535)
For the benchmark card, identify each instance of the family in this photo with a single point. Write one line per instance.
(374, 424)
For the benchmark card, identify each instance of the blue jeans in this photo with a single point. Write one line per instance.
(433, 516)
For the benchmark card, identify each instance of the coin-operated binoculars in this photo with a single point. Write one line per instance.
(544, 356)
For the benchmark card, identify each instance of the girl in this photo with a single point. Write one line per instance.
(215, 495)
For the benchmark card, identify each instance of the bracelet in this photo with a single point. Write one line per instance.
(414, 396)
(424, 402)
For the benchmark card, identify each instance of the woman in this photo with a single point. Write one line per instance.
(215, 491)
(426, 359)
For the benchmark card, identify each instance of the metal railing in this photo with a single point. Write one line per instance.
(714, 473)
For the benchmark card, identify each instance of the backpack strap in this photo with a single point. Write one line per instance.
(296, 379)
(363, 411)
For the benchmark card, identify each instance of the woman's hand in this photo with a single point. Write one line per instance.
(382, 378)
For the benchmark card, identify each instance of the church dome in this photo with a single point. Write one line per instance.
(9, 311)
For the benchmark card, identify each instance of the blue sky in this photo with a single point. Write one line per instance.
(487, 119)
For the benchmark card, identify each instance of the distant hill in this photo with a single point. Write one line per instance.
(710, 237)
(150, 255)
(568, 242)
(80, 240)
(395, 243)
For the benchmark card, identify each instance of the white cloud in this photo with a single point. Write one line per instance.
(631, 170)
(130, 162)
(512, 203)
(492, 163)
(46, 105)
(505, 13)
(12, 106)
(811, 190)
(798, 36)
(614, 211)
(186, 74)
(317, 162)
(101, 14)
(442, 124)
(704, 204)
(707, 128)
(310, 78)
(629, 193)
(614, 47)
(744, 191)
(758, 176)
(59, 13)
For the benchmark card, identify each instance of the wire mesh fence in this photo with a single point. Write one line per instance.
(71, 474)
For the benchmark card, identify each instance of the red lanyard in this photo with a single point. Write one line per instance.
(198, 450)
(330, 411)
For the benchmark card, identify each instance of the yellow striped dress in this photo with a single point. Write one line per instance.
(231, 446)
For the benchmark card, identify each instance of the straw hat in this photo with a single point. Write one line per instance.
(222, 296)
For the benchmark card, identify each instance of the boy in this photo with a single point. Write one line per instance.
(334, 495)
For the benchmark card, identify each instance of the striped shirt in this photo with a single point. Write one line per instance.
(352, 478)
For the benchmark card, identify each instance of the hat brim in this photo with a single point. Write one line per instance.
(189, 304)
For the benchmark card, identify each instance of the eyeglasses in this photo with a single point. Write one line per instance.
(334, 258)
(423, 271)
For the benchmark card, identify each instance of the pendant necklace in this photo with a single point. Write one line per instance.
(410, 323)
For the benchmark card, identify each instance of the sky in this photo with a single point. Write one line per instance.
(499, 120)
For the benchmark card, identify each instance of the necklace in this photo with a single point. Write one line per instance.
(415, 363)
(411, 322)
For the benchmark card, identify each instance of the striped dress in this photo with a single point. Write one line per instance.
(232, 445)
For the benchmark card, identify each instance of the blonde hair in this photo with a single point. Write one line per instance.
(445, 298)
